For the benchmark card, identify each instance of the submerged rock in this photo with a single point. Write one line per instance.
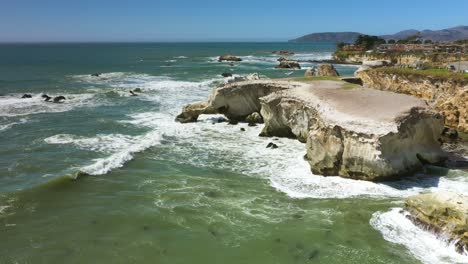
(445, 213)
(26, 96)
(326, 70)
(226, 74)
(229, 58)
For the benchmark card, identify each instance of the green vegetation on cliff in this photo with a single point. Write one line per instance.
(435, 73)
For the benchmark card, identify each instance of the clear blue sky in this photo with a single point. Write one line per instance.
(217, 20)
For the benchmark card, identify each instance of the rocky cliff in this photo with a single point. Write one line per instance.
(435, 59)
(445, 213)
(447, 95)
(355, 133)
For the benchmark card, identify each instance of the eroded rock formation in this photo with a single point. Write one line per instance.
(445, 213)
(360, 133)
(235, 100)
(356, 133)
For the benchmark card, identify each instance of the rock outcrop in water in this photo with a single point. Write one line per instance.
(288, 64)
(355, 133)
(326, 70)
(445, 213)
(359, 133)
(235, 100)
(229, 58)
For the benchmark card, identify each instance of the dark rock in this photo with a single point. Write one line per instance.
(313, 254)
(59, 99)
(221, 120)
(449, 134)
(288, 65)
(272, 145)
(96, 74)
(233, 122)
(283, 52)
(297, 216)
(211, 194)
(46, 97)
(226, 74)
(254, 118)
(252, 124)
(137, 90)
(26, 96)
(242, 129)
(132, 93)
(229, 58)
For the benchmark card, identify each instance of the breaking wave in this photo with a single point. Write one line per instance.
(424, 245)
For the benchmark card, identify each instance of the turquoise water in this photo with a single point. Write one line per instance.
(163, 192)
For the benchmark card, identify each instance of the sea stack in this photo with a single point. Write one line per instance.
(355, 133)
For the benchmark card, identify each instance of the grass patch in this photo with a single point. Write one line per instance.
(434, 73)
(349, 86)
(318, 78)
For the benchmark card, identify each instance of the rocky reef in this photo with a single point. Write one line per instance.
(356, 133)
(447, 95)
(445, 213)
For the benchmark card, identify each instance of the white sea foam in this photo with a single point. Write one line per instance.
(14, 105)
(118, 159)
(100, 143)
(424, 245)
(5, 125)
(120, 147)
(245, 152)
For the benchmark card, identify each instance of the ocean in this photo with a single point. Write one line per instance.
(163, 192)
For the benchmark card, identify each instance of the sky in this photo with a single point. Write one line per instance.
(217, 20)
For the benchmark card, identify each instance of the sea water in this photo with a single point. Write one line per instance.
(164, 192)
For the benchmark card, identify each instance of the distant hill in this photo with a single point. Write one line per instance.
(450, 34)
(333, 37)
